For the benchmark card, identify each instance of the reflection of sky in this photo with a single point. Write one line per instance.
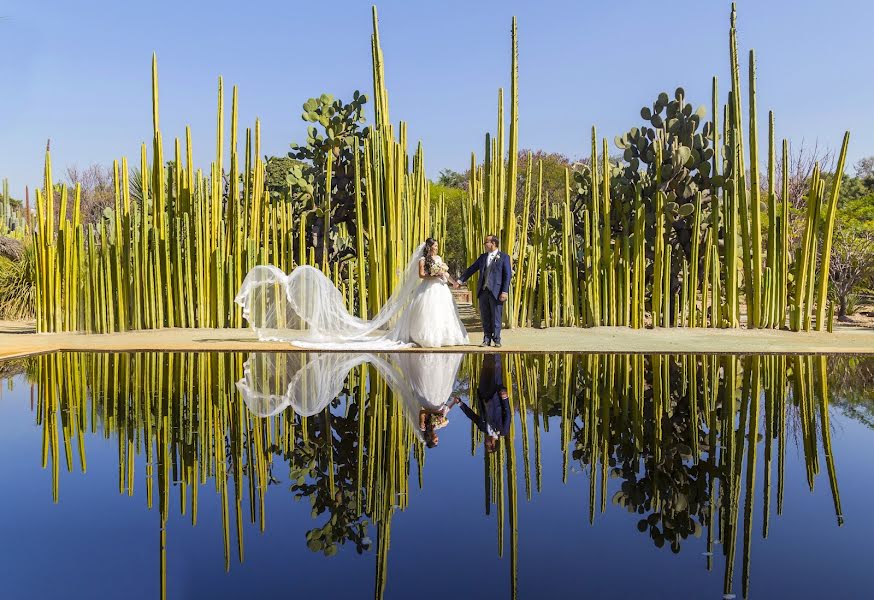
(97, 543)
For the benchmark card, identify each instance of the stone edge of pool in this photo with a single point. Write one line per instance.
(846, 340)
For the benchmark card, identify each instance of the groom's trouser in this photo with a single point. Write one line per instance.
(490, 311)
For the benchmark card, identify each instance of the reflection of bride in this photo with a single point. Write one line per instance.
(431, 379)
(305, 308)
(273, 381)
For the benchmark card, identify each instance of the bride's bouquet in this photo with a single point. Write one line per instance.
(440, 421)
(439, 269)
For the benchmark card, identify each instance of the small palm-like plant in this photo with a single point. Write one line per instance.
(18, 285)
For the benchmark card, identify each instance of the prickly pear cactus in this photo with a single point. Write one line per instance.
(685, 170)
(686, 160)
(337, 128)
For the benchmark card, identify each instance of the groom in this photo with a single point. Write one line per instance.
(493, 405)
(492, 289)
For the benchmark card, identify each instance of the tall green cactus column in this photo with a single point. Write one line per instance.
(829, 226)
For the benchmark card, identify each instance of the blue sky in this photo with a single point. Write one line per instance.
(79, 73)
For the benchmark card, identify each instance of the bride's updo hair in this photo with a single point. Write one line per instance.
(426, 252)
(429, 436)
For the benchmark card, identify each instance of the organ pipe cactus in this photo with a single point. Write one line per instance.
(676, 219)
(670, 161)
(826, 251)
(178, 256)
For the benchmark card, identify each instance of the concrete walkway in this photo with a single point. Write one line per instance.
(845, 340)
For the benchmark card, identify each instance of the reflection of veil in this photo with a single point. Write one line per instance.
(273, 381)
(306, 308)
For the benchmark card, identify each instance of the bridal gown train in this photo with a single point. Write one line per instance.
(305, 308)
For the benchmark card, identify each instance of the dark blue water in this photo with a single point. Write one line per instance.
(73, 533)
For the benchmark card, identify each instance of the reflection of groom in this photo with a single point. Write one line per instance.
(493, 406)
(492, 288)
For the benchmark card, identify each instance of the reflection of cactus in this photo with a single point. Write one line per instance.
(354, 467)
(679, 433)
(672, 451)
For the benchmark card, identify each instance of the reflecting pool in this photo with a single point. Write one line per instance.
(187, 475)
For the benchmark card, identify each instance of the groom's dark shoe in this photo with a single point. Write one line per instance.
(485, 342)
(497, 344)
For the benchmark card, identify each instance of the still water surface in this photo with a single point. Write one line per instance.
(347, 476)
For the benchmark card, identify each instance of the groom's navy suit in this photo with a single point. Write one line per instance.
(494, 411)
(494, 280)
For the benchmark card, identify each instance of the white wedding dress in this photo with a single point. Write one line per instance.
(307, 310)
(431, 319)
(273, 381)
(430, 376)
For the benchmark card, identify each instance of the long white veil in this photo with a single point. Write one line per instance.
(304, 307)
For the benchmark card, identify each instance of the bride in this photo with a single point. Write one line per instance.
(306, 309)
(424, 383)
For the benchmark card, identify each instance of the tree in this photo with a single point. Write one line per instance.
(554, 166)
(852, 188)
(852, 261)
(276, 179)
(97, 193)
(801, 164)
(453, 179)
(452, 248)
(337, 130)
(865, 171)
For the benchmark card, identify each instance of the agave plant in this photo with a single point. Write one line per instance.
(18, 285)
